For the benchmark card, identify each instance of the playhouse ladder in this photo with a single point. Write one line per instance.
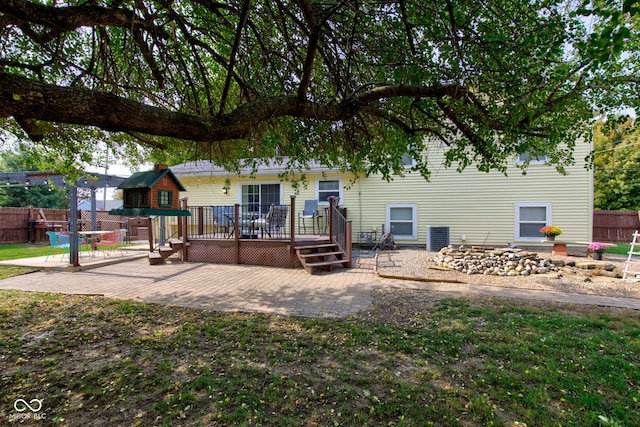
(630, 272)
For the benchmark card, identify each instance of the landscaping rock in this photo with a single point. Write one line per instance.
(615, 273)
(594, 265)
(496, 262)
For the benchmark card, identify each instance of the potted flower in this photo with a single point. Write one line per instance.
(333, 200)
(597, 249)
(550, 231)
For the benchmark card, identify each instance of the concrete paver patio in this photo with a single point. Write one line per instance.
(248, 288)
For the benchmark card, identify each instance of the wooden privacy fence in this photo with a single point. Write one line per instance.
(615, 226)
(20, 225)
(608, 226)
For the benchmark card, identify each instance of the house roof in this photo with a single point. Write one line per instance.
(272, 166)
(148, 179)
(110, 204)
(149, 212)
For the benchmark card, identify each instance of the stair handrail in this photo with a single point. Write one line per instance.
(160, 243)
(340, 230)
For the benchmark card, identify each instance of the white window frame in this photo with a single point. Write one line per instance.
(411, 163)
(516, 231)
(414, 220)
(537, 160)
(259, 183)
(324, 202)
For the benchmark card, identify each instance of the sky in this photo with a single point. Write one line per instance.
(118, 170)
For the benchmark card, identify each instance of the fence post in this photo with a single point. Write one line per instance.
(185, 238)
(73, 222)
(348, 238)
(236, 231)
(150, 234)
(292, 230)
(331, 220)
(200, 220)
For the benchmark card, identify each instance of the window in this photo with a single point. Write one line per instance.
(137, 198)
(402, 219)
(256, 198)
(533, 160)
(530, 218)
(165, 198)
(408, 160)
(329, 188)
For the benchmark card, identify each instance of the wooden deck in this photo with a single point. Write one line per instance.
(267, 252)
(199, 238)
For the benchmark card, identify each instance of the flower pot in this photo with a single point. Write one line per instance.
(597, 256)
(551, 238)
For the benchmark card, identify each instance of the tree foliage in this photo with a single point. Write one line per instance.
(352, 84)
(616, 162)
(40, 196)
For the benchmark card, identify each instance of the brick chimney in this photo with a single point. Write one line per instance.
(159, 167)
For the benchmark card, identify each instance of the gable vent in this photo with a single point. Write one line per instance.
(437, 238)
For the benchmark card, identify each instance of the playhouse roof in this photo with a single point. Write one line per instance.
(148, 179)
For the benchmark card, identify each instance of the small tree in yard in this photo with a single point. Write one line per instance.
(616, 162)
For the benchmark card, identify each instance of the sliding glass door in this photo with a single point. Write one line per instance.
(256, 198)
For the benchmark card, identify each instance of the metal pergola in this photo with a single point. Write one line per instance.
(92, 181)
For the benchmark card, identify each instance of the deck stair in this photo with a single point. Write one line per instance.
(164, 252)
(321, 256)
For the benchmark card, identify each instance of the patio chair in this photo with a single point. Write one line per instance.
(58, 241)
(244, 223)
(223, 218)
(274, 222)
(111, 241)
(310, 212)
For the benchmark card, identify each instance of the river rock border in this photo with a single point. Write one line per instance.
(494, 261)
(516, 262)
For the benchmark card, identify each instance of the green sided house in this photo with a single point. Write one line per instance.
(471, 207)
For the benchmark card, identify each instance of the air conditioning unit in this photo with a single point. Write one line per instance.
(437, 237)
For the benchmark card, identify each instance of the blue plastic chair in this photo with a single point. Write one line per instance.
(58, 240)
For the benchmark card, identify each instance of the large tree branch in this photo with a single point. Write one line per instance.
(71, 18)
(27, 99)
(394, 91)
(312, 47)
(480, 144)
(244, 15)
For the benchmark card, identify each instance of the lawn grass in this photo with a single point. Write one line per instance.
(621, 249)
(410, 361)
(28, 250)
(17, 251)
(23, 250)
